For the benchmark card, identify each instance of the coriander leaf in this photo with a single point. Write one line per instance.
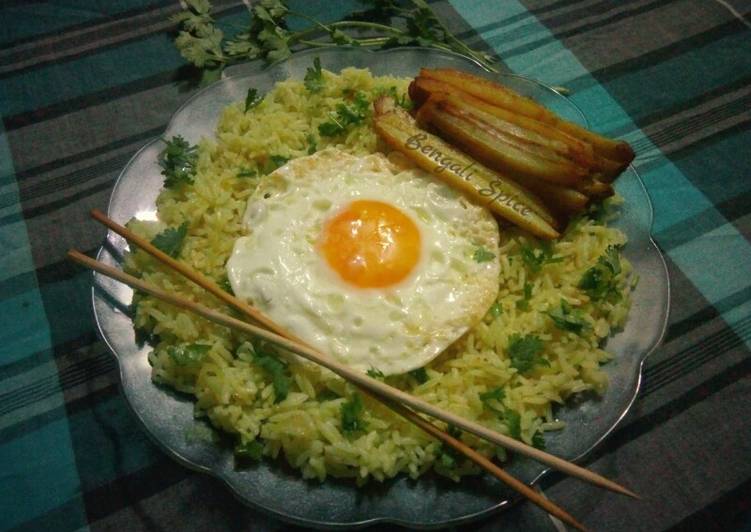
(252, 99)
(171, 240)
(420, 375)
(567, 319)
(538, 440)
(312, 144)
(247, 173)
(599, 281)
(375, 373)
(496, 309)
(454, 431)
(611, 260)
(225, 285)
(514, 423)
(267, 358)
(482, 255)
(252, 450)
(330, 129)
(523, 303)
(188, 354)
(314, 81)
(178, 161)
(446, 460)
(345, 116)
(524, 352)
(496, 394)
(351, 412)
(273, 162)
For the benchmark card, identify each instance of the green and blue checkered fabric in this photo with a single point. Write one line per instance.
(84, 84)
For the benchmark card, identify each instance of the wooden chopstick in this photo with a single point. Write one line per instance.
(310, 354)
(366, 382)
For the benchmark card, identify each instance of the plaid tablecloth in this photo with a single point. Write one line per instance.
(84, 84)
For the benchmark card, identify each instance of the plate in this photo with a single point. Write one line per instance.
(430, 501)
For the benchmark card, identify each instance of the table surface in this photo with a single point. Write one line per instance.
(84, 84)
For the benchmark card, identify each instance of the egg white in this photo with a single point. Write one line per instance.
(278, 269)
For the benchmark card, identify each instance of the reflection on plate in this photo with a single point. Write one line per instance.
(430, 501)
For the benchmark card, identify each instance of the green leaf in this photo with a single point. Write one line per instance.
(313, 80)
(447, 460)
(346, 116)
(524, 352)
(496, 309)
(514, 423)
(188, 354)
(171, 240)
(247, 173)
(273, 162)
(375, 373)
(600, 281)
(253, 450)
(567, 319)
(483, 255)
(536, 258)
(312, 144)
(351, 412)
(538, 440)
(252, 99)
(178, 161)
(267, 358)
(225, 285)
(420, 375)
(490, 397)
(523, 303)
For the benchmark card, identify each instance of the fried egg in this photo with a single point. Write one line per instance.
(378, 265)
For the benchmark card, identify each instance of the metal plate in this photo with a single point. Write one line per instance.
(430, 501)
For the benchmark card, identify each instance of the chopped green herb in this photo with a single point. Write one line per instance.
(345, 116)
(523, 303)
(454, 431)
(352, 415)
(447, 460)
(253, 450)
(535, 259)
(600, 282)
(375, 373)
(483, 255)
(188, 354)
(490, 397)
(267, 358)
(495, 309)
(247, 173)
(171, 240)
(496, 394)
(273, 162)
(538, 440)
(567, 319)
(252, 99)
(225, 285)
(514, 423)
(524, 352)
(312, 144)
(314, 76)
(420, 375)
(178, 161)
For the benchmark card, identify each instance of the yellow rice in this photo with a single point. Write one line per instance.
(237, 396)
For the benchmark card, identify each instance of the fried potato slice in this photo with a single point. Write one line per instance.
(504, 97)
(572, 148)
(499, 194)
(505, 150)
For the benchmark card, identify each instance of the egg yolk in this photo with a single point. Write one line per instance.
(371, 244)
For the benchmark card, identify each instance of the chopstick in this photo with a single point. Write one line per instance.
(361, 380)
